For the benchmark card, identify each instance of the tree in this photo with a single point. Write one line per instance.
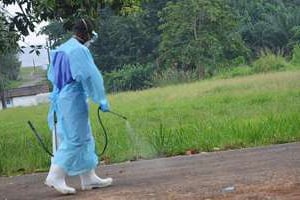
(199, 34)
(8, 39)
(10, 65)
(123, 40)
(56, 33)
(128, 40)
(8, 62)
(283, 31)
(9, 70)
(33, 12)
(268, 24)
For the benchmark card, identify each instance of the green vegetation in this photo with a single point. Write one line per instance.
(212, 114)
(28, 76)
(296, 56)
(25, 72)
(9, 70)
(182, 41)
(269, 62)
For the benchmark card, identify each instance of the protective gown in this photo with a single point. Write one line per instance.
(75, 77)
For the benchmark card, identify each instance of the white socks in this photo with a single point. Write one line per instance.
(90, 180)
(56, 179)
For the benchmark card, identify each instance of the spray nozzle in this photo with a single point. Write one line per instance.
(114, 113)
(119, 115)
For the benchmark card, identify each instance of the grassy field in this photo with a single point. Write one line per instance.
(205, 116)
(29, 76)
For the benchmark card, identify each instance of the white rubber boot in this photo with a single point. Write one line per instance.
(90, 180)
(56, 179)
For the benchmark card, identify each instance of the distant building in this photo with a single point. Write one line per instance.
(26, 96)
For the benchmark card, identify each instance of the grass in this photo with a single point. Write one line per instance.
(28, 75)
(202, 116)
(26, 71)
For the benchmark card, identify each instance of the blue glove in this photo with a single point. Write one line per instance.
(104, 107)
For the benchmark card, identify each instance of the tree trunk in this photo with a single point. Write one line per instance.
(201, 72)
(3, 100)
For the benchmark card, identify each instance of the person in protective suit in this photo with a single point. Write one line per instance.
(75, 78)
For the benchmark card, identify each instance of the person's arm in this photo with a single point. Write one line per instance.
(92, 81)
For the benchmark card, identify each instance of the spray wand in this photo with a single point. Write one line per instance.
(119, 115)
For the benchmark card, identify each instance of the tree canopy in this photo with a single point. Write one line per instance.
(199, 34)
(8, 38)
(33, 12)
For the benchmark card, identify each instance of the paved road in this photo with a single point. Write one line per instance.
(254, 174)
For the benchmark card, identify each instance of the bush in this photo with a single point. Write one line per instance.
(296, 55)
(269, 62)
(174, 76)
(130, 77)
(243, 70)
(10, 66)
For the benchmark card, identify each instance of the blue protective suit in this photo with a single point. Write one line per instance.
(75, 77)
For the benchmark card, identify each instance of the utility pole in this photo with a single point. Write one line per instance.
(48, 46)
(33, 64)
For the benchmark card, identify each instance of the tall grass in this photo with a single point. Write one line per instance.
(267, 62)
(296, 56)
(201, 116)
(270, 62)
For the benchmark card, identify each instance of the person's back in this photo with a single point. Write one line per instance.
(62, 60)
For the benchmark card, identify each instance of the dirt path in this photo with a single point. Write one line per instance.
(268, 173)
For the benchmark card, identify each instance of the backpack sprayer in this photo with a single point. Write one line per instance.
(55, 138)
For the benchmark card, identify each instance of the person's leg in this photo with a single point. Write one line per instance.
(90, 180)
(56, 176)
(56, 179)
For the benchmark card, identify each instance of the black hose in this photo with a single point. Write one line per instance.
(104, 130)
(104, 133)
(39, 138)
